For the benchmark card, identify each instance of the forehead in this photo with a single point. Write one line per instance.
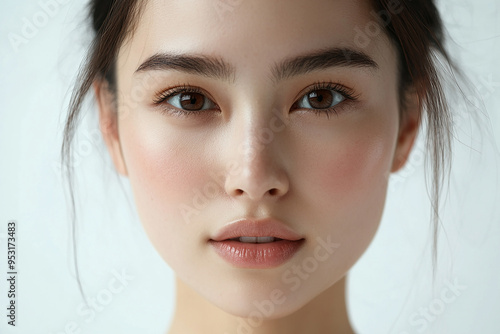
(253, 34)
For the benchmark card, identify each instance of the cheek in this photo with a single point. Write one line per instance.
(162, 170)
(356, 180)
(349, 167)
(165, 171)
(345, 179)
(354, 169)
(343, 183)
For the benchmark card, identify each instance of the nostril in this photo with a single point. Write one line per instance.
(273, 191)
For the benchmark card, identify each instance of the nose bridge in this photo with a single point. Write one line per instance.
(256, 148)
(258, 169)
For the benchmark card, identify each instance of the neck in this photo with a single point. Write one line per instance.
(326, 313)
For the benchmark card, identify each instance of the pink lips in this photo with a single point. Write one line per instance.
(256, 255)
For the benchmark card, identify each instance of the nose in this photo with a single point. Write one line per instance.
(257, 167)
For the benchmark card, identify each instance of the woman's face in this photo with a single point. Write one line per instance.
(292, 127)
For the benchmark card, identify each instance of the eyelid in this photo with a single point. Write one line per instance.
(346, 92)
(164, 94)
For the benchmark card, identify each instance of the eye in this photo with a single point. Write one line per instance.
(184, 101)
(320, 99)
(326, 98)
(190, 101)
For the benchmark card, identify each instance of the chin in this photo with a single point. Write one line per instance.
(266, 297)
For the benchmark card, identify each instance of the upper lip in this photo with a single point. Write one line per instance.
(250, 227)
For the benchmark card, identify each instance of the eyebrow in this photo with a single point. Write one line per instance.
(209, 66)
(321, 60)
(218, 68)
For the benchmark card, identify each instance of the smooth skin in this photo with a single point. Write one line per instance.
(324, 176)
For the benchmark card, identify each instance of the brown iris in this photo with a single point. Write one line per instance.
(320, 99)
(192, 101)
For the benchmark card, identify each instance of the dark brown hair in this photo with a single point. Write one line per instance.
(415, 29)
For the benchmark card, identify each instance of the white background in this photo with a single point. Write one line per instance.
(388, 287)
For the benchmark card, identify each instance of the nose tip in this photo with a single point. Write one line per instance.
(258, 191)
(257, 177)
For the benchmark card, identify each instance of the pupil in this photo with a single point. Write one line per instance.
(320, 99)
(192, 101)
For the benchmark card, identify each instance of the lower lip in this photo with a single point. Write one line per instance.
(255, 255)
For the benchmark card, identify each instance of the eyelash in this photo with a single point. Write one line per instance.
(347, 93)
(161, 97)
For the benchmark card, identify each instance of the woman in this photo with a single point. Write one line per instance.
(258, 138)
